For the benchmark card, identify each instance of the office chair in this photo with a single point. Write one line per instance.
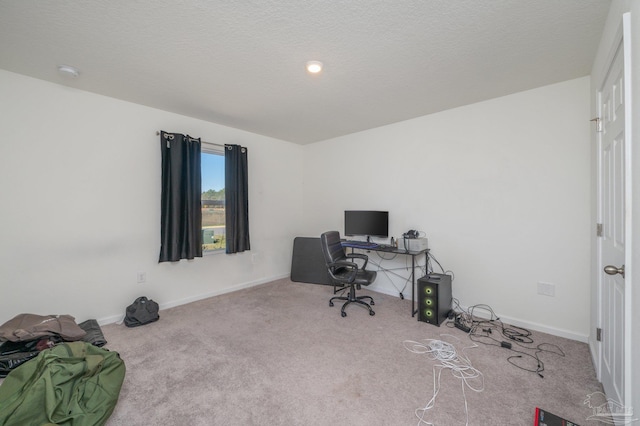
(346, 273)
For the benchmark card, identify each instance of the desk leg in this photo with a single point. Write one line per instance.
(413, 285)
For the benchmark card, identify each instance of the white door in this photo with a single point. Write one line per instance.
(614, 203)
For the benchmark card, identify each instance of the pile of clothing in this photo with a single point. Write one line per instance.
(56, 372)
(24, 336)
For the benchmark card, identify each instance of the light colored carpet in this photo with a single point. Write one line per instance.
(277, 354)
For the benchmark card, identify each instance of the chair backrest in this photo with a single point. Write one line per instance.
(331, 247)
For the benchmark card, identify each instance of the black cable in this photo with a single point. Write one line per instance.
(432, 257)
(483, 331)
(393, 255)
(428, 270)
(388, 271)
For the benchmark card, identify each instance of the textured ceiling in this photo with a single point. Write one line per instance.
(241, 63)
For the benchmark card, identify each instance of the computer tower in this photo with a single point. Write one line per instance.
(434, 298)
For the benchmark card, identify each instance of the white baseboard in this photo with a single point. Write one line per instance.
(560, 332)
(120, 317)
(391, 292)
(509, 320)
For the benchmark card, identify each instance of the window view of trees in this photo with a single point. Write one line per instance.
(212, 194)
(213, 211)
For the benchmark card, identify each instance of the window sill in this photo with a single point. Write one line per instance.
(213, 252)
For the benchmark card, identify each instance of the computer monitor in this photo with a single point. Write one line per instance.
(369, 223)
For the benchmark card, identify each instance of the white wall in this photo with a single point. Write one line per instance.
(501, 188)
(80, 185)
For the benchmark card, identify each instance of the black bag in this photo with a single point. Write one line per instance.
(140, 312)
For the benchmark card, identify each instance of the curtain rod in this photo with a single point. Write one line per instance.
(208, 143)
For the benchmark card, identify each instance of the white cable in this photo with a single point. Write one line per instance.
(447, 356)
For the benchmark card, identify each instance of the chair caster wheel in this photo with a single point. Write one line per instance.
(330, 303)
(344, 314)
(371, 312)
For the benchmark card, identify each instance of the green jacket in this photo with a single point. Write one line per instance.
(71, 384)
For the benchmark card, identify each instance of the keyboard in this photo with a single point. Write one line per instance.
(359, 244)
(386, 247)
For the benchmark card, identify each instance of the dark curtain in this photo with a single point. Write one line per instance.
(236, 184)
(181, 215)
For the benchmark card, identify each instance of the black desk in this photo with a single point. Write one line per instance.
(394, 250)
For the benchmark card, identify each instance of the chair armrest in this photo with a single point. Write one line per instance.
(360, 256)
(351, 266)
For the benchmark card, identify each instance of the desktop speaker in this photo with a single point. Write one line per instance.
(434, 298)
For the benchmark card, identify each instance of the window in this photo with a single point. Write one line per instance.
(212, 199)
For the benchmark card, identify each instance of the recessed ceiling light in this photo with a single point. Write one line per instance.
(314, 67)
(68, 70)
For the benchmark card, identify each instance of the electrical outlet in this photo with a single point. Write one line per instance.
(142, 277)
(546, 289)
